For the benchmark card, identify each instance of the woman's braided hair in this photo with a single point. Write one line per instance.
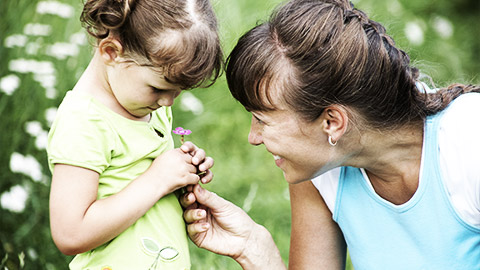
(323, 52)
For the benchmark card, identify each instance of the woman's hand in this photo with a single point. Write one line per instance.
(222, 227)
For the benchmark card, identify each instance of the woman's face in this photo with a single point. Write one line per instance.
(299, 148)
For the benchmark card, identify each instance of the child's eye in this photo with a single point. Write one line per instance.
(156, 90)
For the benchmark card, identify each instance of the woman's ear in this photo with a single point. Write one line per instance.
(110, 49)
(335, 121)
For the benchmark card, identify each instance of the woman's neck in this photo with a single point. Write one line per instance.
(392, 161)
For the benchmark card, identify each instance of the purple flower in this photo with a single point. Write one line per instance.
(181, 131)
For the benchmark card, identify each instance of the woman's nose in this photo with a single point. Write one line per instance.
(255, 135)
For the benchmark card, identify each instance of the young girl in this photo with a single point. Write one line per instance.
(111, 149)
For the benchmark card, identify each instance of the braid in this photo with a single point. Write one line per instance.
(439, 100)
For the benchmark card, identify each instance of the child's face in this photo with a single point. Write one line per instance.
(140, 90)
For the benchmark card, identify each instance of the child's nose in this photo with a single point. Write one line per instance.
(168, 99)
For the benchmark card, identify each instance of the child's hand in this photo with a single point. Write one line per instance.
(200, 160)
(172, 170)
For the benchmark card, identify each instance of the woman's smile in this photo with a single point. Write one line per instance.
(278, 160)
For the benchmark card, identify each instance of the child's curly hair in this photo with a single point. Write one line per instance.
(181, 37)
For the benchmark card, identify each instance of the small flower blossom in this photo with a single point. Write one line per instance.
(27, 165)
(55, 8)
(182, 132)
(9, 84)
(37, 29)
(15, 199)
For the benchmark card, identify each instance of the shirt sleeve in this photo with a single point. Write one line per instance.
(459, 148)
(82, 138)
(327, 185)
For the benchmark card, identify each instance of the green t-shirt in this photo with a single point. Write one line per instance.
(87, 134)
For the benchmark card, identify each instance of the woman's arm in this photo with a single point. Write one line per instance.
(316, 240)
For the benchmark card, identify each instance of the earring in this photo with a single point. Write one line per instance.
(330, 141)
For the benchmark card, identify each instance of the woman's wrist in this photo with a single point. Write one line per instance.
(260, 251)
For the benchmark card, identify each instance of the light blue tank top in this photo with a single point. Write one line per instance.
(424, 233)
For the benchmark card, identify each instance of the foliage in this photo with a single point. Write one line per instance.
(43, 52)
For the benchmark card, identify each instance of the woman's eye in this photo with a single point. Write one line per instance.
(258, 120)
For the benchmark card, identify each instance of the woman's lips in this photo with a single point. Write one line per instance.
(278, 160)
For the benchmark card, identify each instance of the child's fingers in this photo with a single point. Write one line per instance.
(206, 164)
(198, 156)
(187, 200)
(189, 188)
(198, 227)
(194, 215)
(188, 147)
(207, 177)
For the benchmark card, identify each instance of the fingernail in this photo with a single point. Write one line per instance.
(195, 160)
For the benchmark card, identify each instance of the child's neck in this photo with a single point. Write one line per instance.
(94, 81)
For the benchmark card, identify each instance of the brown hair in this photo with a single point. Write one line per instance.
(323, 52)
(179, 36)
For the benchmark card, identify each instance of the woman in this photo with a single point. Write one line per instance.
(395, 170)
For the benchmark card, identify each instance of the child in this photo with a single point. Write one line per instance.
(111, 149)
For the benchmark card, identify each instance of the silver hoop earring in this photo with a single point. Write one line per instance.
(330, 141)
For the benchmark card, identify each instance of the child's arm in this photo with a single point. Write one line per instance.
(80, 222)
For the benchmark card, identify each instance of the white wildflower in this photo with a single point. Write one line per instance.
(14, 199)
(45, 80)
(62, 50)
(15, 41)
(27, 165)
(443, 27)
(41, 140)
(32, 48)
(50, 115)
(51, 93)
(32, 253)
(9, 84)
(414, 33)
(191, 103)
(78, 38)
(34, 128)
(55, 8)
(37, 29)
(22, 65)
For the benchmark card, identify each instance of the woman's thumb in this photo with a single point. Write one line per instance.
(208, 198)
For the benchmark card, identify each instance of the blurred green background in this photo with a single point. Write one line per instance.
(43, 51)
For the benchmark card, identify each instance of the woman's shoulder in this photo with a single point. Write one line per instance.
(327, 185)
(460, 121)
(459, 150)
(466, 105)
